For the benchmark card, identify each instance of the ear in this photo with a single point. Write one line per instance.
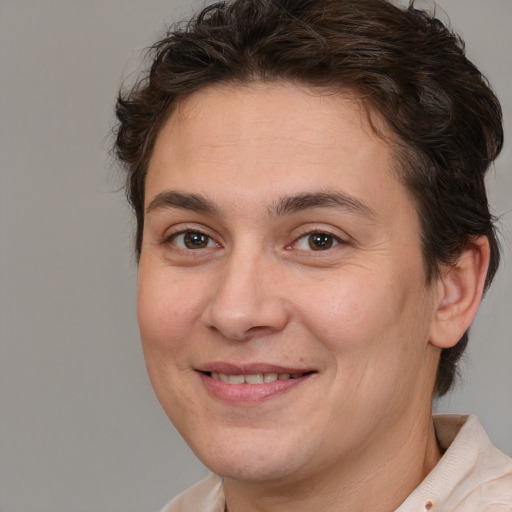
(460, 291)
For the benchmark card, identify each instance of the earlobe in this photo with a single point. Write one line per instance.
(460, 292)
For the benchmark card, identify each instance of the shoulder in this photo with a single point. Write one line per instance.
(204, 496)
(472, 475)
(487, 484)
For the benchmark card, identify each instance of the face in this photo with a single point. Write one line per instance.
(282, 301)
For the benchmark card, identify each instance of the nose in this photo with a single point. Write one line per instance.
(245, 301)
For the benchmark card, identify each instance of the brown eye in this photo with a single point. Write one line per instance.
(320, 241)
(193, 240)
(317, 242)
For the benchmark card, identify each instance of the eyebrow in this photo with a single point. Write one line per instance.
(173, 199)
(285, 205)
(301, 202)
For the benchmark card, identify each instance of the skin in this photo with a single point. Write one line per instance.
(357, 433)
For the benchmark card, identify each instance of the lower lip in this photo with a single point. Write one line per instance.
(249, 394)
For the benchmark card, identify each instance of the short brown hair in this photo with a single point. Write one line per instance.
(404, 64)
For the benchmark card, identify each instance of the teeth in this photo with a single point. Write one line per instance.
(236, 379)
(254, 379)
(257, 378)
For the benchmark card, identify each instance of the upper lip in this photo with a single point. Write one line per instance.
(249, 368)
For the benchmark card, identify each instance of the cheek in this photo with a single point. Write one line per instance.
(165, 311)
(369, 317)
(350, 308)
(166, 315)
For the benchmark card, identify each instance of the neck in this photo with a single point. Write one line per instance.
(379, 478)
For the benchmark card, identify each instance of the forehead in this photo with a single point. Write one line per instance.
(277, 115)
(279, 134)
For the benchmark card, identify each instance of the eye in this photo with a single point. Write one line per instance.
(192, 240)
(317, 242)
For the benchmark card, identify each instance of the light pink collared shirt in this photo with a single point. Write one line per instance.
(472, 476)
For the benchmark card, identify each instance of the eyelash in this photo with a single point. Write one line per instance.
(332, 240)
(172, 239)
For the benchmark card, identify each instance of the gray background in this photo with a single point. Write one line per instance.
(80, 429)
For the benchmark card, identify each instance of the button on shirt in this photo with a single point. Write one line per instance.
(472, 476)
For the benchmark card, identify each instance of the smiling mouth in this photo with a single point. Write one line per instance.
(251, 385)
(256, 378)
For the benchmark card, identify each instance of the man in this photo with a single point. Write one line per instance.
(314, 242)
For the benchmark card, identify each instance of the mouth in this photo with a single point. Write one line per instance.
(254, 378)
(251, 384)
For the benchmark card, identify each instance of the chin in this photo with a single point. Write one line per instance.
(255, 457)
(255, 471)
